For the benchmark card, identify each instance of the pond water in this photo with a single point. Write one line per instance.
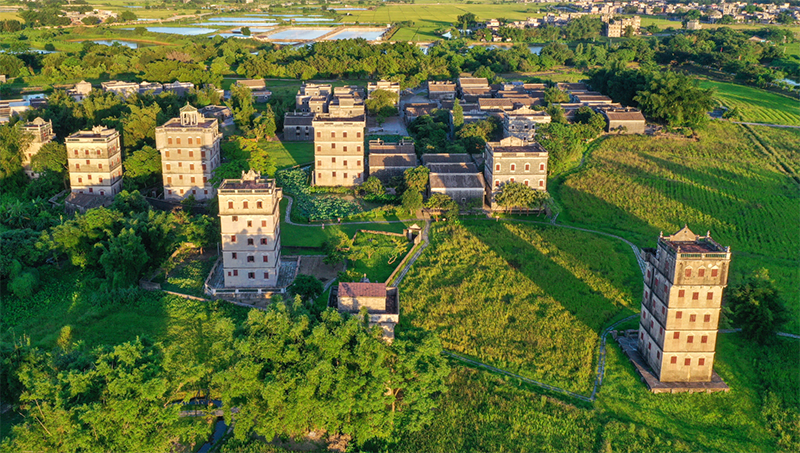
(111, 42)
(354, 34)
(349, 9)
(230, 35)
(536, 49)
(300, 33)
(185, 31)
(790, 82)
(238, 24)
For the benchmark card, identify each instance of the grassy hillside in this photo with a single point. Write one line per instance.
(754, 105)
(726, 182)
(527, 298)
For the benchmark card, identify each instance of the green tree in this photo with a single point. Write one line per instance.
(337, 247)
(203, 231)
(411, 200)
(124, 259)
(675, 99)
(373, 186)
(264, 125)
(12, 142)
(241, 105)
(116, 400)
(517, 195)
(139, 126)
(416, 178)
(757, 308)
(382, 103)
(143, 168)
(130, 202)
(245, 31)
(307, 287)
(458, 114)
(555, 95)
(52, 158)
(127, 16)
(465, 21)
(443, 203)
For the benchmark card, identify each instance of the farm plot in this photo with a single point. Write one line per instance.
(531, 299)
(754, 105)
(725, 183)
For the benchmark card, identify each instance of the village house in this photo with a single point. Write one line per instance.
(123, 89)
(190, 152)
(222, 113)
(454, 175)
(258, 87)
(338, 150)
(381, 302)
(685, 276)
(472, 88)
(313, 97)
(522, 122)
(414, 111)
(40, 132)
(616, 27)
(94, 159)
(441, 91)
(298, 126)
(181, 89)
(250, 228)
(514, 160)
(80, 91)
(388, 160)
(626, 120)
(385, 85)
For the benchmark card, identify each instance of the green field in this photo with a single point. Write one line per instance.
(380, 250)
(754, 105)
(485, 412)
(289, 154)
(428, 17)
(528, 298)
(725, 183)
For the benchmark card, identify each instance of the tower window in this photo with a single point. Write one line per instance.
(674, 359)
(709, 296)
(688, 272)
(259, 205)
(695, 296)
(678, 314)
(701, 272)
(249, 223)
(701, 362)
(690, 339)
(230, 205)
(692, 318)
(250, 241)
(235, 218)
(687, 362)
(233, 238)
(235, 273)
(251, 259)
(266, 274)
(263, 241)
(251, 275)
(265, 259)
(676, 336)
(714, 272)
(681, 293)
(704, 339)
(234, 255)
(706, 318)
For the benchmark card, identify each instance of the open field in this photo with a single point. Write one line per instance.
(289, 154)
(725, 182)
(382, 249)
(486, 412)
(754, 105)
(430, 17)
(313, 236)
(530, 299)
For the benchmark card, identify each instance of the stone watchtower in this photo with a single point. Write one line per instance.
(684, 279)
(190, 152)
(250, 221)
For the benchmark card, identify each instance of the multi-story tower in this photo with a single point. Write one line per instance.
(40, 132)
(338, 150)
(515, 160)
(250, 221)
(189, 148)
(684, 279)
(95, 161)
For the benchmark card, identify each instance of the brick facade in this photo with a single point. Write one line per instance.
(95, 162)
(338, 151)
